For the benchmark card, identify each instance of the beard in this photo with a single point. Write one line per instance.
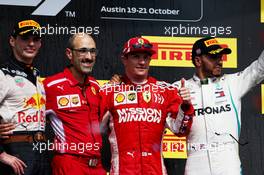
(86, 70)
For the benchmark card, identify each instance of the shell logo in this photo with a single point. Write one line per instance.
(63, 101)
(120, 98)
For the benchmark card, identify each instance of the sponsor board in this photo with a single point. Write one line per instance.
(177, 51)
(262, 99)
(262, 11)
(144, 11)
(173, 146)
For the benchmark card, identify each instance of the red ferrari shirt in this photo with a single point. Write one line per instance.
(73, 110)
(137, 116)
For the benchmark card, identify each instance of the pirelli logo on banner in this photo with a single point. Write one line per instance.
(173, 146)
(177, 51)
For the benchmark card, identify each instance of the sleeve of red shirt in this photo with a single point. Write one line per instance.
(47, 90)
(104, 101)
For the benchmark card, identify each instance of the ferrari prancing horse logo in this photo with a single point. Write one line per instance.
(146, 96)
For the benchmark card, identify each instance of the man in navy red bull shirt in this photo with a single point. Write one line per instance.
(22, 99)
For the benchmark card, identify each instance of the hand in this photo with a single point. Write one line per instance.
(185, 93)
(6, 130)
(17, 164)
(116, 79)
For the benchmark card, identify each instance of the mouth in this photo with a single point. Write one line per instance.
(142, 68)
(30, 50)
(87, 63)
(218, 67)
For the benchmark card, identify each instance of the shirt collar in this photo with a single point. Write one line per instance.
(27, 68)
(21, 65)
(73, 82)
(210, 80)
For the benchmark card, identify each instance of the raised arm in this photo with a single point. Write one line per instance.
(180, 111)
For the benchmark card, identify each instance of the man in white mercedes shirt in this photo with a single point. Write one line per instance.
(212, 141)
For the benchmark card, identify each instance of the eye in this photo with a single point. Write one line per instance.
(93, 50)
(24, 38)
(135, 56)
(146, 57)
(36, 39)
(83, 50)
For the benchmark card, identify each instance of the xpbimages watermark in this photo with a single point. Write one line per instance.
(64, 147)
(66, 30)
(117, 87)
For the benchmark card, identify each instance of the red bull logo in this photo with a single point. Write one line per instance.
(39, 116)
(37, 101)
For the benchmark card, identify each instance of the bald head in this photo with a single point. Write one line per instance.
(81, 52)
(76, 38)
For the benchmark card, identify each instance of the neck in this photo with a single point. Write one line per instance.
(23, 60)
(200, 74)
(26, 61)
(78, 76)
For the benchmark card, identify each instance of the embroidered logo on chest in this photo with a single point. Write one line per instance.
(127, 97)
(220, 95)
(68, 101)
(146, 96)
(19, 82)
(93, 90)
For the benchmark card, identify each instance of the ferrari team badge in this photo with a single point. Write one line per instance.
(93, 90)
(140, 41)
(146, 96)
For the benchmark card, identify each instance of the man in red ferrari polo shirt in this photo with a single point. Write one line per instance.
(73, 107)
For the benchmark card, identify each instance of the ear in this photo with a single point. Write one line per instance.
(12, 41)
(68, 53)
(198, 61)
(124, 59)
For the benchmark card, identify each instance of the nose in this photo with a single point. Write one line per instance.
(31, 41)
(142, 60)
(88, 55)
(219, 60)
